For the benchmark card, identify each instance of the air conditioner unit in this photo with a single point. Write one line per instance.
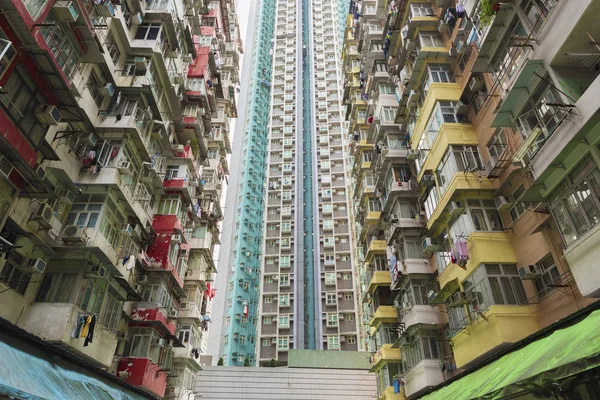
(48, 114)
(460, 46)
(187, 58)
(44, 215)
(173, 314)
(341, 316)
(124, 167)
(35, 265)
(431, 296)
(107, 90)
(461, 299)
(139, 289)
(455, 209)
(66, 196)
(340, 296)
(142, 279)
(74, 233)
(342, 339)
(430, 245)
(503, 203)
(161, 342)
(127, 229)
(183, 253)
(96, 272)
(141, 64)
(137, 18)
(529, 272)
(105, 10)
(65, 11)
(176, 238)
(40, 171)
(475, 83)
(179, 79)
(410, 45)
(273, 340)
(177, 147)
(90, 139)
(413, 154)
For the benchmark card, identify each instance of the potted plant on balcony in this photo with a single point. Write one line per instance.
(486, 12)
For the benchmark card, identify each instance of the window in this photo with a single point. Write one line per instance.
(283, 343)
(425, 346)
(284, 280)
(284, 321)
(420, 10)
(20, 98)
(549, 276)
(226, 340)
(351, 340)
(268, 299)
(148, 31)
(331, 299)
(269, 279)
(266, 342)
(333, 342)
(330, 278)
(495, 284)
(7, 53)
(227, 321)
(431, 39)
(332, 319)
(350, 317)
(520, 207)
(284, 300)
(388, 114)
(575, 202)
(348, 296)
(497, 143)
(457, 159)
(346, 276)
(480, 215)
(13, 276)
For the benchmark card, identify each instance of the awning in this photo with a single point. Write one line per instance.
(448, 289)
(39, 370)
(564, 353)
(528, 80)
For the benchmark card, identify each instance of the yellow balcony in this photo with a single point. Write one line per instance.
(379, 278)
(363, 145)
(450, 133)
(384, 355)
(388, 394)
(499, 325)
(376, 247)
(484, 248)
(365, 165)
(437, 92)
(384, 314)
(460, 181)
(366, 191)
(373, 217)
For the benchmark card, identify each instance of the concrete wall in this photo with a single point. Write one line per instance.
(284, 383)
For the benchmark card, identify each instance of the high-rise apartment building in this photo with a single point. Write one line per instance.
(475, 142)
(115, 131)
(307, 285)
(240, 254)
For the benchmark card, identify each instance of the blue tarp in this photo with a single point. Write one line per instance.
(27, 372)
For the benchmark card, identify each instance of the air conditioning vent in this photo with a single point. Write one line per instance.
(96, 272)
(127, 229)
(44, 215)
(48, 114)
(430, 245)
(503, 203)
(124, 167)
(142, 279)
(65, 11)
(413, 154)
(74, 233)
(175, 238)
(455, 209)
(107, 90)
(66, 196)
(35, 265)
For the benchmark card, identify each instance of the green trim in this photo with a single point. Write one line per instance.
(564, 353)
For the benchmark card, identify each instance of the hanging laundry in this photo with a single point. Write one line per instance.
(77, 328)
(86, 326)
(462, 253)
(90, 335)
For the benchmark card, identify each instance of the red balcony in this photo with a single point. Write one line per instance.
(149, 314)
(143, 372)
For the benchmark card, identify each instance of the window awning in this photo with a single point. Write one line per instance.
(564, 353)
(448, 289)
(522, 89)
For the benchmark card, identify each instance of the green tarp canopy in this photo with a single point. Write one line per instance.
(565, 352)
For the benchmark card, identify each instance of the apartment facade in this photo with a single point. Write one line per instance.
(240, 254)
(475, 154)
(307, 286)
(116, 123)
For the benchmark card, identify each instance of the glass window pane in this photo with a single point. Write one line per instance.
(496, 292)
(508, 292)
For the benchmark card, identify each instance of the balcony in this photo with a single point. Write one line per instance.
(54, 322)
(375, 247)
(583, 256)
(484, 247)
(421, 315)
(385, 354)
(373, 217)
(426, 373)
(497, 326)
(150, 314)
(191, 310)
(379, 278)
(388, 394)
(384, 314)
